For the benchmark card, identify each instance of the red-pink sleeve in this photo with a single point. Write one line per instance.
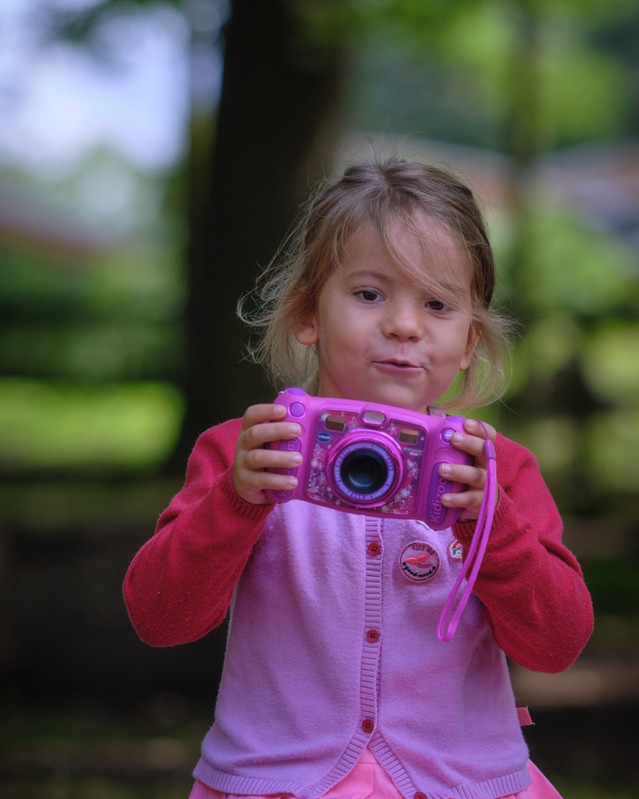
(179, 585)
(531, 585)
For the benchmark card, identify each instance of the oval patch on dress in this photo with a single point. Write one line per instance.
(419, 562)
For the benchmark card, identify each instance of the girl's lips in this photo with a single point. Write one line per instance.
(406, 366)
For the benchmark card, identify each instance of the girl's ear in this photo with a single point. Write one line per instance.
(474, 334)
(306, 332)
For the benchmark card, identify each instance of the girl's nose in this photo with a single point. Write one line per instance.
(404, 323)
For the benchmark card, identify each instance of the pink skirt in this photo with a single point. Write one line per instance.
(368, 780)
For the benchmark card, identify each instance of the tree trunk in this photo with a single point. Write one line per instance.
(276, 128)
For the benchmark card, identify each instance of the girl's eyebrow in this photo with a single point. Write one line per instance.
(368, 274)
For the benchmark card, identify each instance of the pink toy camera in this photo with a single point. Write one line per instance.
(371, 458)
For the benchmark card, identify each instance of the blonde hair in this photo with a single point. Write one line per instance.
(376, 193)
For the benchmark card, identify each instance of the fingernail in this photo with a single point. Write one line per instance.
(445, 469)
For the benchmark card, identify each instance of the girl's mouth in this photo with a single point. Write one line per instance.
(399, 365)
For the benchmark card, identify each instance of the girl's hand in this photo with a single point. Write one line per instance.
(472, 442)
(259, 426)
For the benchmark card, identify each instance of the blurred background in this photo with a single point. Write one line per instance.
(152, 157)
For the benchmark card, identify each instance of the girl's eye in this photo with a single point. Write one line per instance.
(369, 295)
(437, 305)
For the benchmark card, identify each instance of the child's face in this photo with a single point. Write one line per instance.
(382, 338)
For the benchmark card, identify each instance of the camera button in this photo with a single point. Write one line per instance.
(446, 434)
(297, 409)
(373, 418)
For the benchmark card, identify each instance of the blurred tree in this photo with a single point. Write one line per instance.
(524, 78)
(275, 131)
(528, 78)
(277, 128)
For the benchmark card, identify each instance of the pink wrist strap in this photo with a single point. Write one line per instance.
(447, 626)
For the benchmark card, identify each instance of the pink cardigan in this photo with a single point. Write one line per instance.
(332, 643)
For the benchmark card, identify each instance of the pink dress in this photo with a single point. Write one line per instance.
(368, 780)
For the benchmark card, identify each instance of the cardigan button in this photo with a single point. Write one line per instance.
(368, 725)
(419, 795)
(372, 636)
(374, 548)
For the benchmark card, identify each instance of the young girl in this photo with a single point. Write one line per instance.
(335, 683)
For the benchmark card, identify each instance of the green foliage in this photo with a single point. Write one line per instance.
(91, 347)
(612, 445)
(574, 399)
(571, 77)
(56, 425)
(458, 64)
(111, 316)
(574, 81)
(608, 362)
(572, 268)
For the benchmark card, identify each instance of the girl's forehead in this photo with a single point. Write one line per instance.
(418, 245)
(427, 231)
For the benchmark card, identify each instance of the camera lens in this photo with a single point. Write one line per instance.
(364, 471)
